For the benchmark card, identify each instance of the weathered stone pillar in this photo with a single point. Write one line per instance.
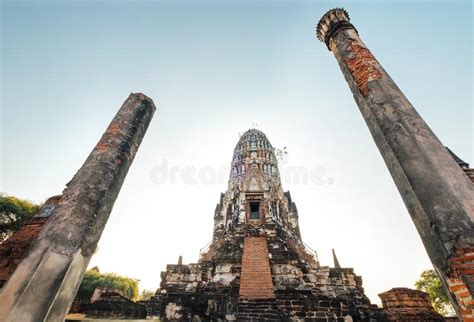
(43, 286)
(437, 193)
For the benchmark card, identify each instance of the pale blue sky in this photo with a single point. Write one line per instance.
(213, 69)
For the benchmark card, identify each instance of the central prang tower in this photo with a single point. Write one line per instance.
(257, 266)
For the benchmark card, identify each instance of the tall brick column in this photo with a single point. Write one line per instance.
(44, 284)
(438, 194)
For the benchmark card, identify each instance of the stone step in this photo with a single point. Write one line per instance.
(256, 276)
(243, 301)
(257, 302)
(257, 318)
(268, 313)
(255, 307)
(258, 310)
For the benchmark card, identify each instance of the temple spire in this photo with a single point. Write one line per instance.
(336, 262)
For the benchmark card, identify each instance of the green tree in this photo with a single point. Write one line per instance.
(146, 294)
(13, 214)
(430, 283)
(93, 279)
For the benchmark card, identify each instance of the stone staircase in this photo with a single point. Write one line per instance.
(256, 276)
(258, 310)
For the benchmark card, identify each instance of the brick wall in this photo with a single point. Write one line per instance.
(362, 68)
(404, 304)
(256, 277)
(461, 275)
(15, 248)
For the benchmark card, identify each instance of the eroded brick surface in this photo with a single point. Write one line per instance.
(361, 64)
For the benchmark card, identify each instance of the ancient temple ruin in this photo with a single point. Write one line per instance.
(257, 266)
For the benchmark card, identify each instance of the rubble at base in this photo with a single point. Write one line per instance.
(111, 303)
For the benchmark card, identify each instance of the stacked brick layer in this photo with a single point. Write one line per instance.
(15, 248)
(461, 280)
